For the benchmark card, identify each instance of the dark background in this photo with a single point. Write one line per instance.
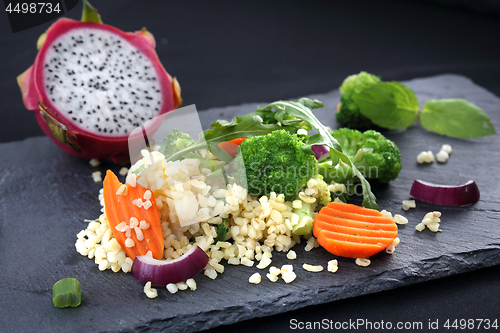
(232, 52)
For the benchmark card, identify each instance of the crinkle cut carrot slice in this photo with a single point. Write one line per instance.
(119, 208)
(352, 231)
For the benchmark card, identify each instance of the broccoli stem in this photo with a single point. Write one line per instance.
(211, 164)
(341, 173)
(305, 213)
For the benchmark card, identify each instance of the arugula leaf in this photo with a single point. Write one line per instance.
(300, 110)
(389, 105)
(240, 127)
(222, 230)
(457, 118)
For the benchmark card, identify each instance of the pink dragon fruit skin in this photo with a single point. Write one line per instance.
(67, 133)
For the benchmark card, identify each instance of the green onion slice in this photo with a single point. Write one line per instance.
(66, 292)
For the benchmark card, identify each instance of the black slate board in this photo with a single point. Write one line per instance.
(46, 195)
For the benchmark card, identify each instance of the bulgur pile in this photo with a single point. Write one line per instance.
(192, 204)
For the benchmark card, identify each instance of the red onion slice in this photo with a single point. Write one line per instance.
(446, 195)
(320, 151)
(163, 272)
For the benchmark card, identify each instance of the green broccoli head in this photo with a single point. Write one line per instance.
(348, 112)
(276, 163)
(375, 156)
(174, 142)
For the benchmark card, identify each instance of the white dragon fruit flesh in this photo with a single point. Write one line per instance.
(92, 84)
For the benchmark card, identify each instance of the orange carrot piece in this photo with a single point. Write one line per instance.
(352, 231)
(231, 146)
(120, 208)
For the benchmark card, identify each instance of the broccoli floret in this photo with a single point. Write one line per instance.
(375, 156)
(348, 112)
(177, 140)
(275, 162)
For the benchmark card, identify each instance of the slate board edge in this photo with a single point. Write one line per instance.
(415, 273)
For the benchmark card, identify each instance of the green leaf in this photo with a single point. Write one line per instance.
(389, 105)
(89, 13)
(243, 127)
(222, 230)
(457, 118)
(310, 103)
(298, 109)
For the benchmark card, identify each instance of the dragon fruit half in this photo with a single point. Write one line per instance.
(92, 84)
